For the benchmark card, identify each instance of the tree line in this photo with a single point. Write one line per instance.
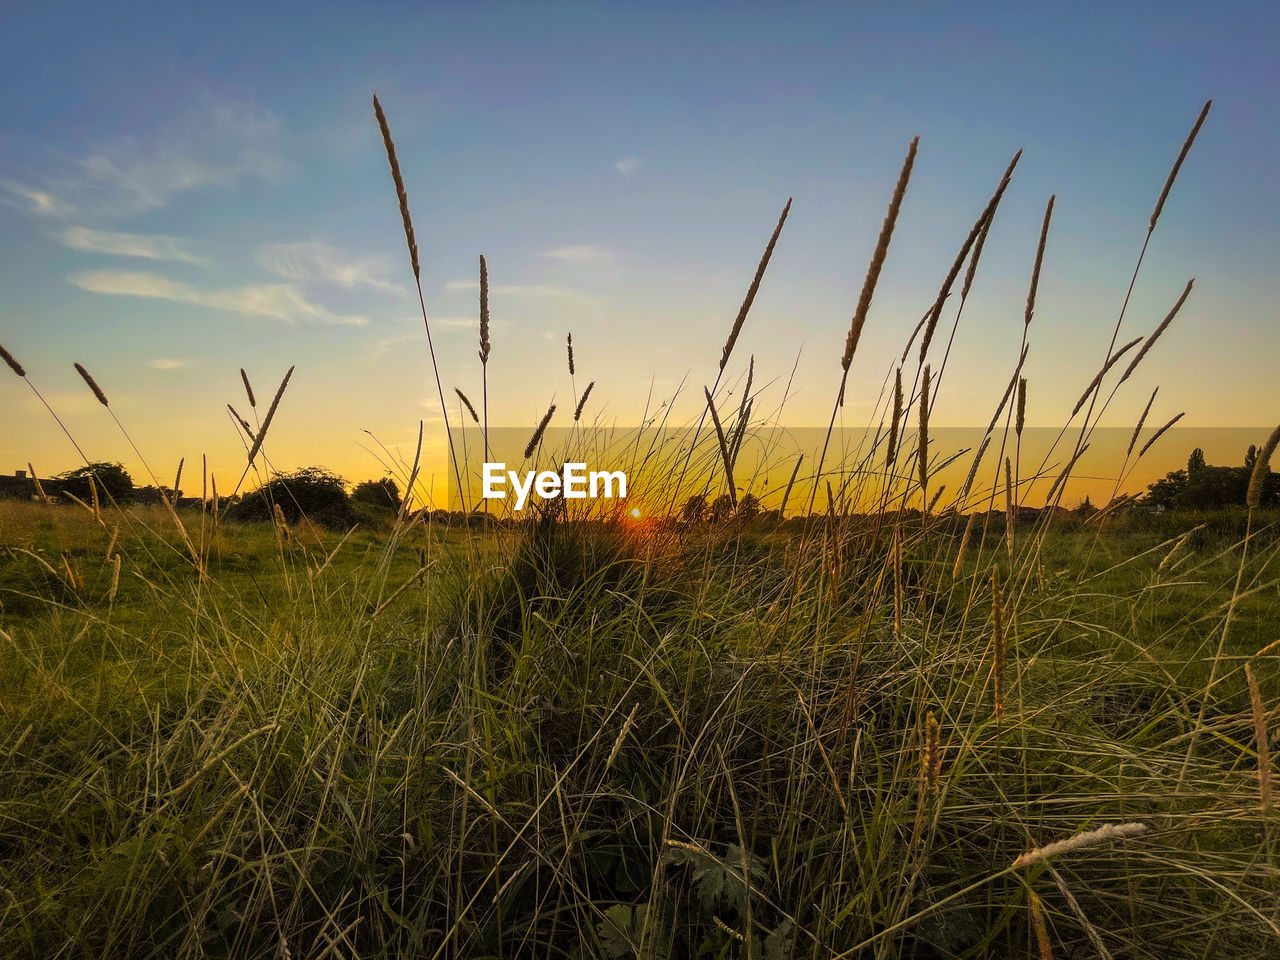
(1202, 486)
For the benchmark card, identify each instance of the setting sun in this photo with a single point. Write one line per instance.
(635, 512)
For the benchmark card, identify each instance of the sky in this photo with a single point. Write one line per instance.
(185, 191)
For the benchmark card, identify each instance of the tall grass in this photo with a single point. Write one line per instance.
(889, 728)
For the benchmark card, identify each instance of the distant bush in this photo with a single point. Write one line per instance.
(312, 492)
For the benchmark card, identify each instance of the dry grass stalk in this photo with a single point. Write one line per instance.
(1020, 419)
(998, 647)
(417, 577)
(467, 403)
(964, 540)
(1262, 741)
(753, 289)
(115, 578)
(931, 756)
(622, 735)
(111, 543)
(271, 412)
(1097, 379)
(1159, 433)
(213, 482)
(582, 402)
(786, 494)
(1066, 472)
(569, 347)
(975, 232)
(1081, 841)
(1261, 470)
(937, 495)
(1094, 938)
(536, 439)
(403, 197)
(1039, 923)
(93, 384)
(1155, 335)
(1035, 272)
(1141, 420)
(14, 365)
(97, 504)
(877, 260)
(177, 480)
(244, 424)
(1008, 391)
(915, 333)
(1177, 164)
(484, 311)
(898, 598)
(981, 242)
(891, 452)
(746, 391)
(739, 431)
(973, 470)
(35, 478)
(1010, 507)
(413, 477)
(724, 449)
(71, 575)
(74, 499)
(248, 389)
(923, 445)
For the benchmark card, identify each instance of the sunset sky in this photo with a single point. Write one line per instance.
(185, 191)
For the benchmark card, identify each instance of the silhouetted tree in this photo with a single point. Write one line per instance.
(312, 492)
(748, 506)
(695, 508)
(112, 479)
(1205, 487)
(384, 493)
(721, 508)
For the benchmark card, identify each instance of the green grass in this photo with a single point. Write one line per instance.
(254, 764)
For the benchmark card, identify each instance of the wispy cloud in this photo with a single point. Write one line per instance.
(315, 262)
(40, 202)
(167, 363)
(628, 165)
(280, 301)
(211, 147)
(215, 145)
(149, 247)
(526, 290)
(581, 253)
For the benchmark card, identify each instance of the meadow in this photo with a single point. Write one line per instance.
(888, 725)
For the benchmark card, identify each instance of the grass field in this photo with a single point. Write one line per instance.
(597, 740)
(859, 731)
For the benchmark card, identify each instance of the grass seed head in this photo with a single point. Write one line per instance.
(14, 365)
(1261, 470)
(741, 318)
(401, 196)
(93, 384)
(1177, 164)
(878, 257)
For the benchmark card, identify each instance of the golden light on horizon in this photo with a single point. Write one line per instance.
(635, 512)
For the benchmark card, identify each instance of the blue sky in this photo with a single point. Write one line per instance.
(185, 191)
